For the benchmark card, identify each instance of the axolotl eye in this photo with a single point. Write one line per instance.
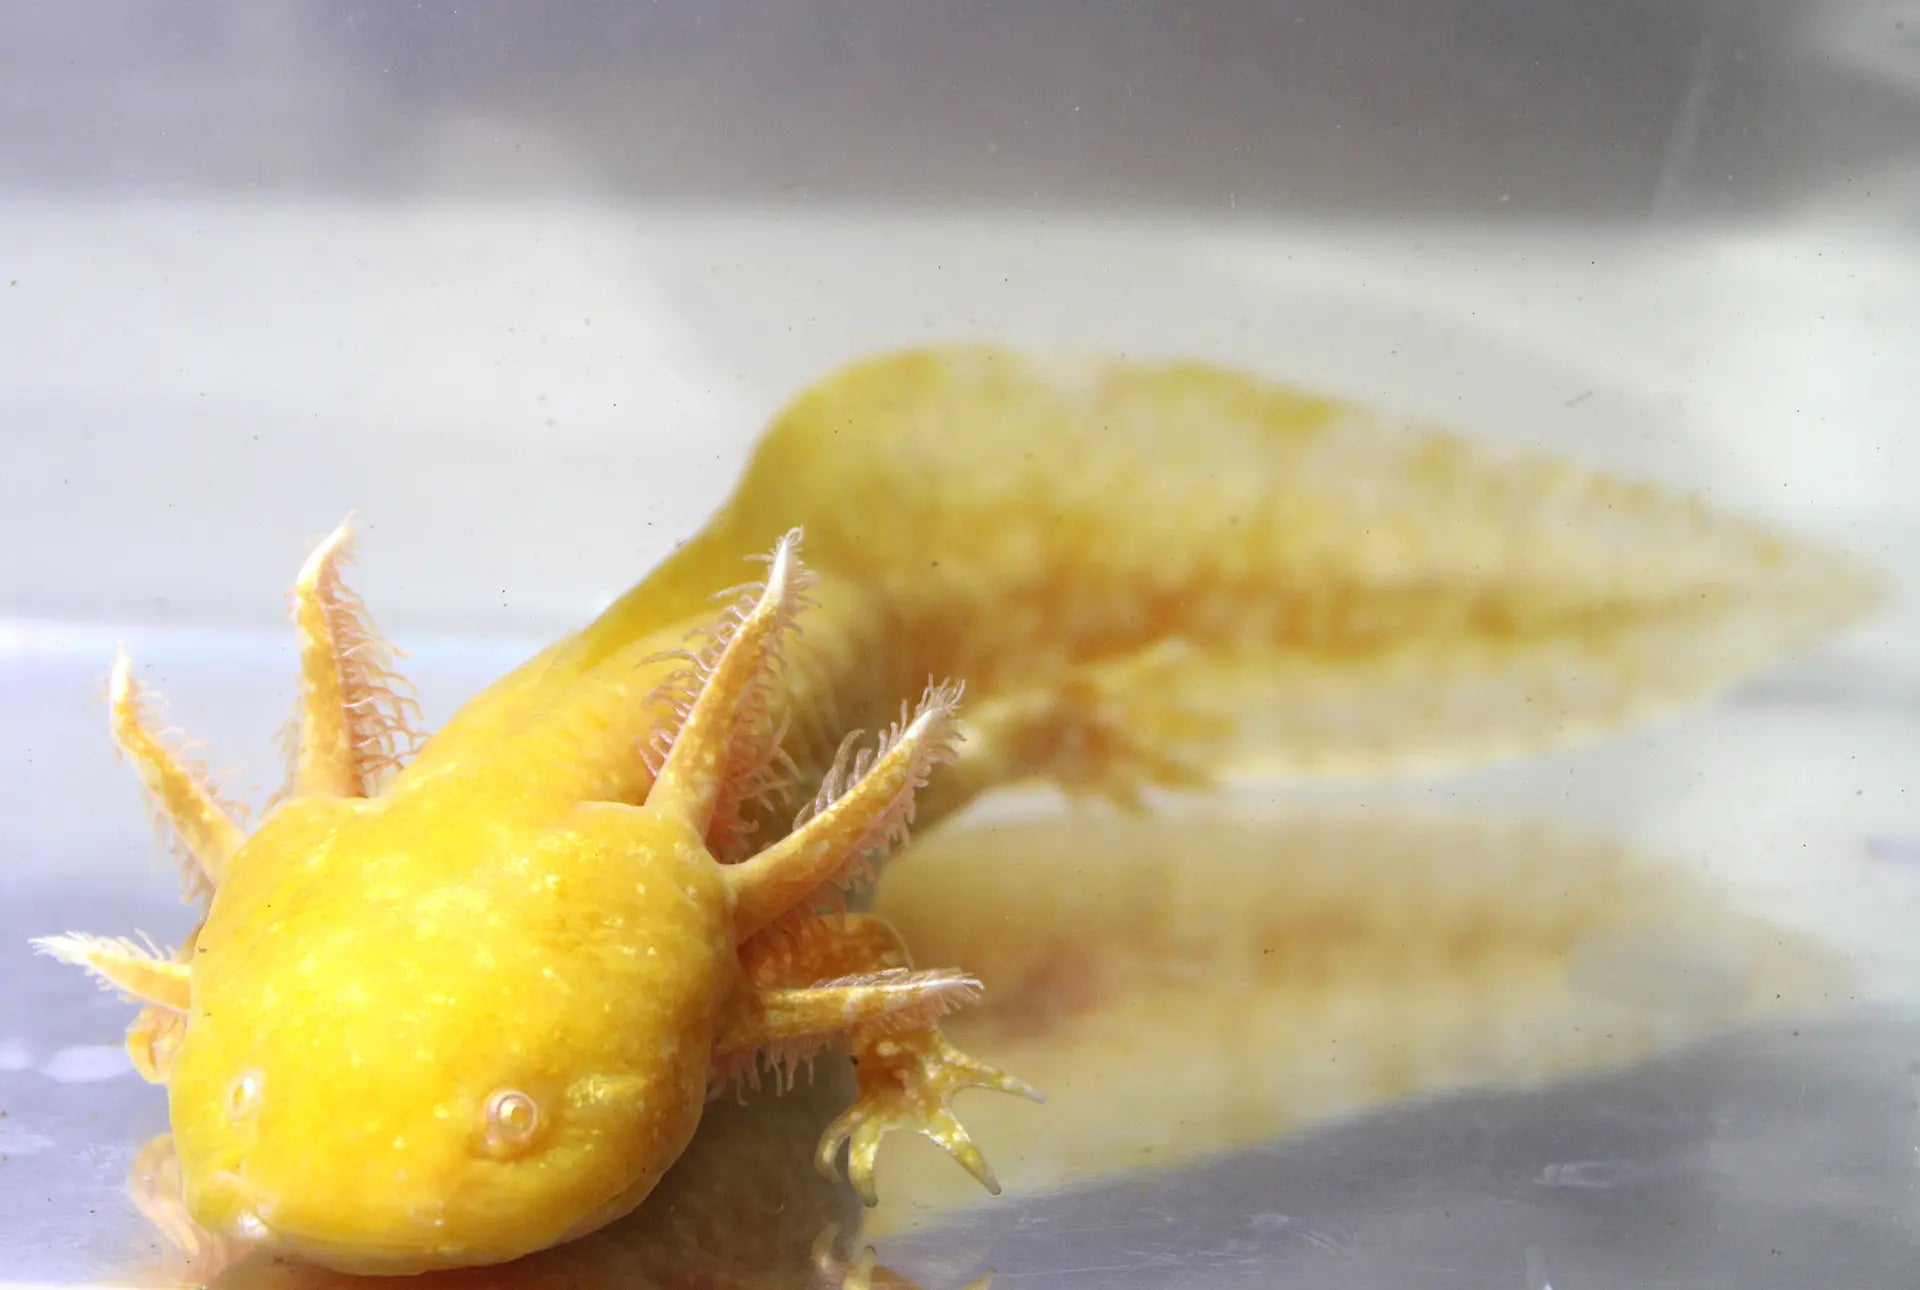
(512, 1123)
(243, 1094)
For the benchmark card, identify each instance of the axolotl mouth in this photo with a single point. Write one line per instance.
(415, 1239)
(359, 1256)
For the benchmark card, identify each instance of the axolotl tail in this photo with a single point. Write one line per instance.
(1265, 578)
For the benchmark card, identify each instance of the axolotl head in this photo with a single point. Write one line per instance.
(414, 1045)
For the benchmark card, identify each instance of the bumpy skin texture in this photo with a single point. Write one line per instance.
(451, 1006)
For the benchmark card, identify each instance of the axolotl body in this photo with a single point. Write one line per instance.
(454, 1003)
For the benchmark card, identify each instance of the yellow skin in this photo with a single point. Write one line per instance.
(452, 1007)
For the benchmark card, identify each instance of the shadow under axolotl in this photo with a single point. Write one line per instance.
(1185, 986)
(1775, 1157)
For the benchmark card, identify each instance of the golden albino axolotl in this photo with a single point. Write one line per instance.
(453, 1005)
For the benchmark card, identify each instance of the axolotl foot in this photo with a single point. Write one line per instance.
(908, 1082)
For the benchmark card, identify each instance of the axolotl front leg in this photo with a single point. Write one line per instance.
(812, 979)
(907, 1071)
